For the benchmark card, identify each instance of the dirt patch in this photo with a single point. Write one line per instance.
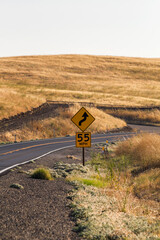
(39, 210)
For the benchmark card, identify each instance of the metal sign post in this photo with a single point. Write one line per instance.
(83, 159)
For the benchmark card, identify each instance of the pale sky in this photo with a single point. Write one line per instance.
(95, 27)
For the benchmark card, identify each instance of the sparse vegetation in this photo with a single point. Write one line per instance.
(97, 216)
(100, 183)
(114, 196)
(16, 185)
(143, 150)
(138, 116)
(42, 173)
(147, 184)
(64, 169)
(117, 198)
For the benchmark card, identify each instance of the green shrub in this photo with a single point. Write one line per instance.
(93, 182)
(42, 173)
(16, 185)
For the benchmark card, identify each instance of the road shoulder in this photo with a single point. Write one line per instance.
(39, 210)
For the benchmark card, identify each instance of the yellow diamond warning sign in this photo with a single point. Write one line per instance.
(83, 119)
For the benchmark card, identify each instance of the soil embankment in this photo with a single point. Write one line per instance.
(52, 109)
(44, 111)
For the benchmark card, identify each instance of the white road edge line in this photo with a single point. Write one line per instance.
(33, 159)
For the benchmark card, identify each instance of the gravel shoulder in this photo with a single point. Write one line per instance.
(39, 211)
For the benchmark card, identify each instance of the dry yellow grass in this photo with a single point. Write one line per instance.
(62, 125)
(26, 82)
(150, 116)
(112, 210)
(147, 184)
(143, 150)
(103, 220)
(144, 154)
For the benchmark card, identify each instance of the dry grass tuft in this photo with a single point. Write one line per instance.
(17, 186)
(147, 185)
(143, 150)
(42, 173)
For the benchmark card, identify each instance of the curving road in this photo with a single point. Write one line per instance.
(15, 154)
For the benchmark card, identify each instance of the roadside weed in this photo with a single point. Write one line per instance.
(42, 173)
(16, 185)
(116, 203)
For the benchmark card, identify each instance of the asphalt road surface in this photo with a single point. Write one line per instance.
(15, 154)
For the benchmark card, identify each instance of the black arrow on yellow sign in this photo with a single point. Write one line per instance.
(85, 115)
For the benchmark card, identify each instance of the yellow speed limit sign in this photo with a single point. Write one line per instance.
(83, 139)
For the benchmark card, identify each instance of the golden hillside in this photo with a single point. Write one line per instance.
(60, 125)
(27, 82)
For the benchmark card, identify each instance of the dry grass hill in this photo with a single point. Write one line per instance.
(53, 120)
(27, 82)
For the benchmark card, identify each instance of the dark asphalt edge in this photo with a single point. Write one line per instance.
(6, 170)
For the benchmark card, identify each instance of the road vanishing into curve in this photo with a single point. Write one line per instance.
(12, 155)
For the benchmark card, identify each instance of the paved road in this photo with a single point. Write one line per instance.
(18, 153)
(143, 128)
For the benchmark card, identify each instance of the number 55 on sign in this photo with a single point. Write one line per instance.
(83, 139)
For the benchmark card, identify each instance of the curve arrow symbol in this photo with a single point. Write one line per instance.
(85, 115)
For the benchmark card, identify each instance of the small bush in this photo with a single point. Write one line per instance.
(16, 185)
(93, 182)
(42, 173)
